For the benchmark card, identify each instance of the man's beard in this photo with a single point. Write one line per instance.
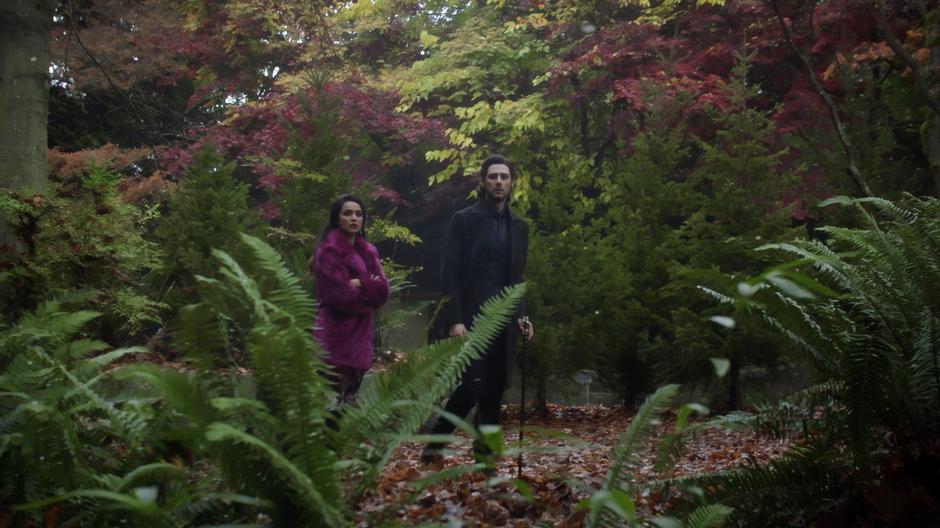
(493, 199)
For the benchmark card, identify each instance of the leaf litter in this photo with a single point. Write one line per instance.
(566, 458)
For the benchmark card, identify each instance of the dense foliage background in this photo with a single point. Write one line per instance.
(659, 145)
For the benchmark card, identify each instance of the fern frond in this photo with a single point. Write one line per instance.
(400, 400)
(81, 348)
(890, 208)
(200, 334)
(824, 259)
(670, 447)
(48, 321)
(796, 322)
(207, 505)
(625, 451)
(925, 369)
(718, 296)
(868, 370)
(181, 391)
(128, 424)
(147, 512)
(158, 469)
(271, 314)
(273, 467)
(103, 360)
(289, 294)
(287, 368)
(804, 474)
(709, 516)
(238, 278)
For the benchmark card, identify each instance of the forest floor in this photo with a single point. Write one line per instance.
(566, 459)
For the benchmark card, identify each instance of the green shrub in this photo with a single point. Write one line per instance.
(208, 211)
(81, 237)
(147, 446)
(862, 308)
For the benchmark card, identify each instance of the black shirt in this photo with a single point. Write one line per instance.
(495, 273)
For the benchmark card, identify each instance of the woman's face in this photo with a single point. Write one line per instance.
(350, 218)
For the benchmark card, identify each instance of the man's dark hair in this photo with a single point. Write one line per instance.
(495, 159)
(336, 209)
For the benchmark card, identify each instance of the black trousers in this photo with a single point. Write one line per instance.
(481, 385)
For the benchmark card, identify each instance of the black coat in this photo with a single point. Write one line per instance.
(464, 256)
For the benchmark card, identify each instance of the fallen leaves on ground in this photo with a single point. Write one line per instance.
(566, 459)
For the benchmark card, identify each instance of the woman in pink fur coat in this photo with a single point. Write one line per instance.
(350, 288)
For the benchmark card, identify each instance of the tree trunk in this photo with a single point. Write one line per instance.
(734, 386)
(541, 395)
(933, 147)
(933, 154)
(24, 93)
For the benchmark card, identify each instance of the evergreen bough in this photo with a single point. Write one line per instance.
(207, 211)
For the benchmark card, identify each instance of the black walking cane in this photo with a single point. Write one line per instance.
(525, 349)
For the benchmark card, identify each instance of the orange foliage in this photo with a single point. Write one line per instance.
(864, 54)
(64, 166)
(915, 34)
(147, 189)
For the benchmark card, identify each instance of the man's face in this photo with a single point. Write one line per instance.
(497, 183)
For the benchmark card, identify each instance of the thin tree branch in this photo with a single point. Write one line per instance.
(850, 152)
(104, 72)
(582, 118)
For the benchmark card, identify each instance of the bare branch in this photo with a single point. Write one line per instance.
(850, 152)
(131, 104)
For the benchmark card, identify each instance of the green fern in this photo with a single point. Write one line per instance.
(288, 292)
(708, 516)
(876, 344)
(247, 450)
(266, 307)
(401, 400)
(613, 499)
(626, 450)
(806, 476)
(283, 450)
(273, 456)
(612, 504)
(879, 337)
(59, 424)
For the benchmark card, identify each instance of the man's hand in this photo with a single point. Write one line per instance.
(355, 282)
(526, 327)
(457, 330)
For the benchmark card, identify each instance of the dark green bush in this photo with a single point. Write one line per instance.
(208, 211)
(81, 236)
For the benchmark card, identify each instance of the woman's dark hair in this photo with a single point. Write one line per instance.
(336, 209)
(495, 159)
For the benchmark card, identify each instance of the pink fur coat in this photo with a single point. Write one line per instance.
(344, 316)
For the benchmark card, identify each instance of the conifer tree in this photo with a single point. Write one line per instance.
(740, 186)
(208, 212)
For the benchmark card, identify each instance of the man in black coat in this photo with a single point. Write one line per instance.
(484, 251)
